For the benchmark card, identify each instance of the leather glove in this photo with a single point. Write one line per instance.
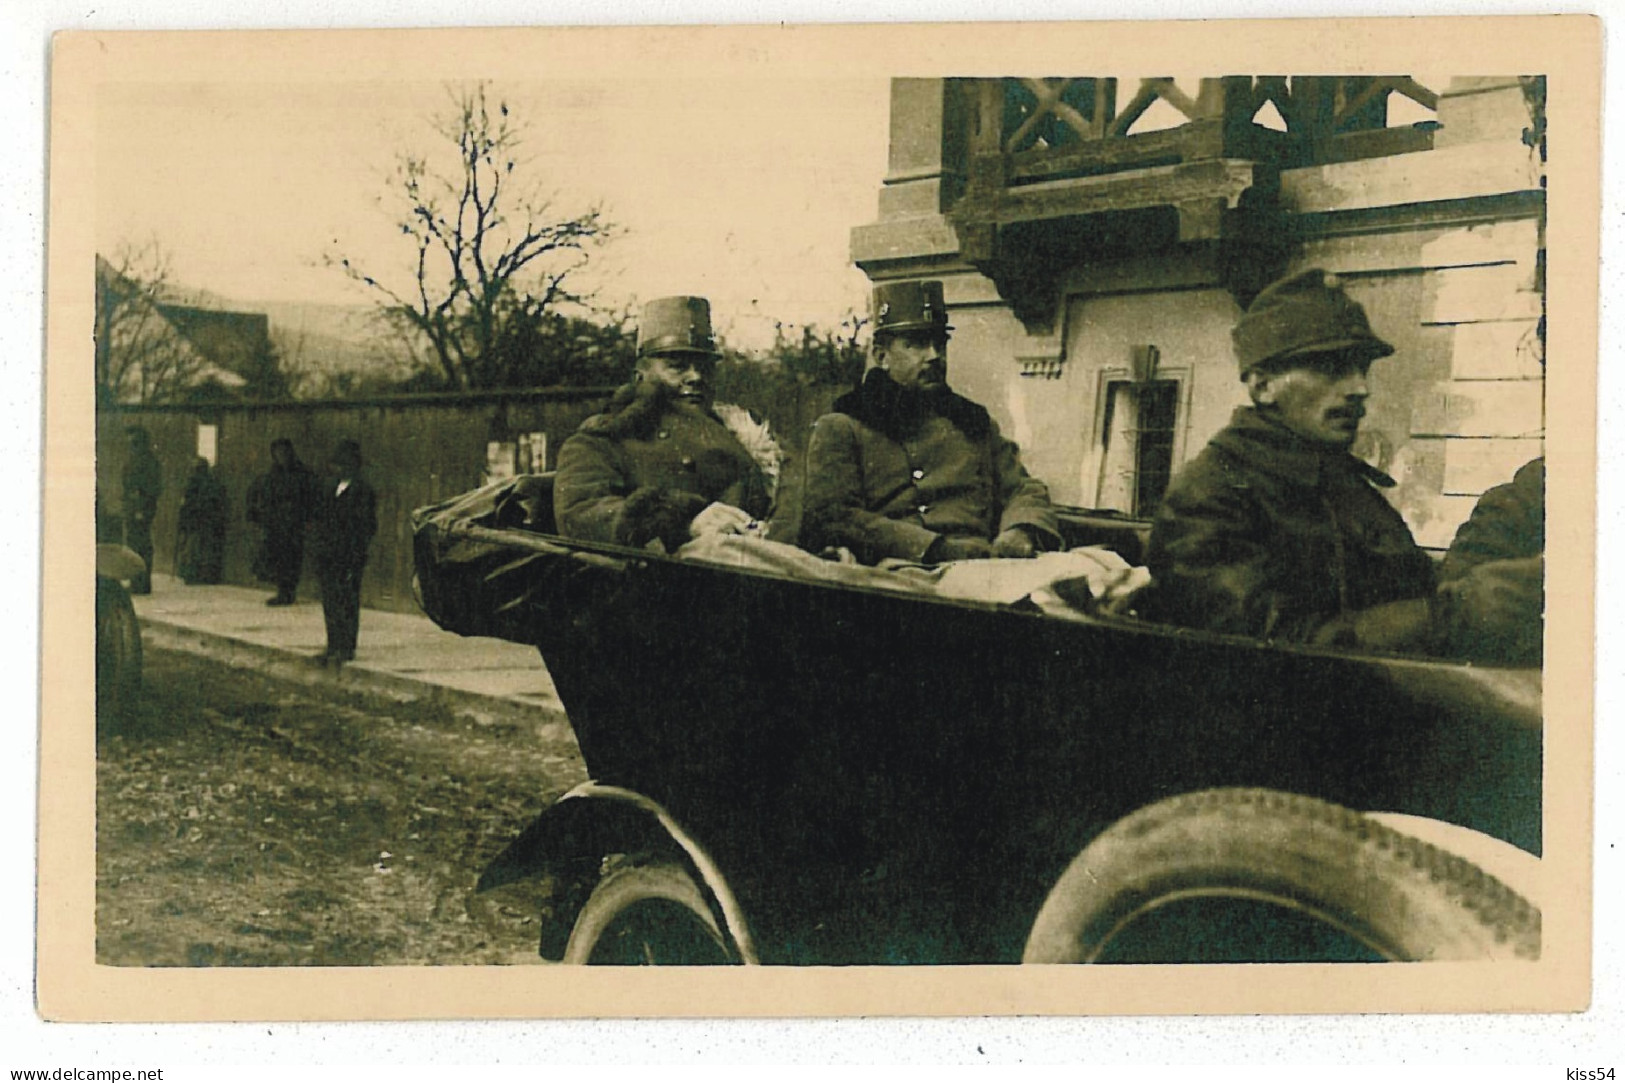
(1014, 542)
(1395, 626)
(946, 549)
(1392, 626)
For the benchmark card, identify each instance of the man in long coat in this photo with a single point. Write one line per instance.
(142, 484)
(904, 469)
(662, 463)
(201, 530)
(1275, 530)
(281, 502)
(346, 520)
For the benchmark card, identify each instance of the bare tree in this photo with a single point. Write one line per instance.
(487, 247)
(139, 355)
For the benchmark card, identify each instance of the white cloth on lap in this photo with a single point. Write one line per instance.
(1109, 577)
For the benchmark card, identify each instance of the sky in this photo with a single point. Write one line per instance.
(740, 190)
(744, 192)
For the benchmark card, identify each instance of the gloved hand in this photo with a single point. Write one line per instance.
(1014, 542)
(721, 519)
(1392, 626)
(946, 549)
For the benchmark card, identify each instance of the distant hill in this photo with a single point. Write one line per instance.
(325, 348)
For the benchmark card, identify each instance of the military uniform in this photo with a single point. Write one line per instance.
(1267, 535)
(887, 480)
(905, 469)
(1492, 596)
(654, 460)
(645, 467)
(1508, 523)
(1275, 530)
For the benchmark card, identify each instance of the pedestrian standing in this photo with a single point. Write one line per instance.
(281, 502)
(346, 520)
(201, 533)
(143, 483)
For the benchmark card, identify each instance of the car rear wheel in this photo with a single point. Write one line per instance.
(118, 652)
(647, 914)
(1200, 856)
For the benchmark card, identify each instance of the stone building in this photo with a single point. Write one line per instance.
(1094, 269)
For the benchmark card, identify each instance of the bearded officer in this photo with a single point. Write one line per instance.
(1275, 530)
(903, 468)
(662, 463)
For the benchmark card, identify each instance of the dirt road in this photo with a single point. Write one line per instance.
(243, 822)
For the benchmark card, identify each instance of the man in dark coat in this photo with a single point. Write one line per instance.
(662, 463)
(143, 484)
(1275, 530)
(202, 527)
(281, 502)
(346, 520)
(904, 469)
(1492, 583)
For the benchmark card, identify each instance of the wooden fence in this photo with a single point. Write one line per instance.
(418, 450)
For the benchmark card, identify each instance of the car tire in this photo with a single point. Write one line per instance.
(1396, 895)
(118, 653)
(647, 914)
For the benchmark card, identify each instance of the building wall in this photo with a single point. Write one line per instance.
(1460, 406)
(1441, 246)
(417, 451)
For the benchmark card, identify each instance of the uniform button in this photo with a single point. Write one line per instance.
(918, 474)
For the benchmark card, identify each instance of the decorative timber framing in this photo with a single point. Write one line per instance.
(1053, 176)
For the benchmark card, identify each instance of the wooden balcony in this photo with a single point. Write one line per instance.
(1053, 173)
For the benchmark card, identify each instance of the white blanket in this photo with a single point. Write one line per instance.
(1110, 580)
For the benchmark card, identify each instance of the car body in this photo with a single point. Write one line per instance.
(852, 775)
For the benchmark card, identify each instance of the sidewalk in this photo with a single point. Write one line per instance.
(403, 656)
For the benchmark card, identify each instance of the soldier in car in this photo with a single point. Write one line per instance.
(1276, 530)
(1492, 598)
(905, 469)
(663, 463)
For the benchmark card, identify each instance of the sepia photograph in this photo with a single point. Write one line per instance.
(694, 497)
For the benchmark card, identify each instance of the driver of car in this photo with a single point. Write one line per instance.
(1276, 530)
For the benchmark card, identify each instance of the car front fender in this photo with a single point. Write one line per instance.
(570, 840)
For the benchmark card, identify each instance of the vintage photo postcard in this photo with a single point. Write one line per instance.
(844, 520)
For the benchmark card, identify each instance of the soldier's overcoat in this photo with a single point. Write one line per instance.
(887, 479)
(646, 466)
